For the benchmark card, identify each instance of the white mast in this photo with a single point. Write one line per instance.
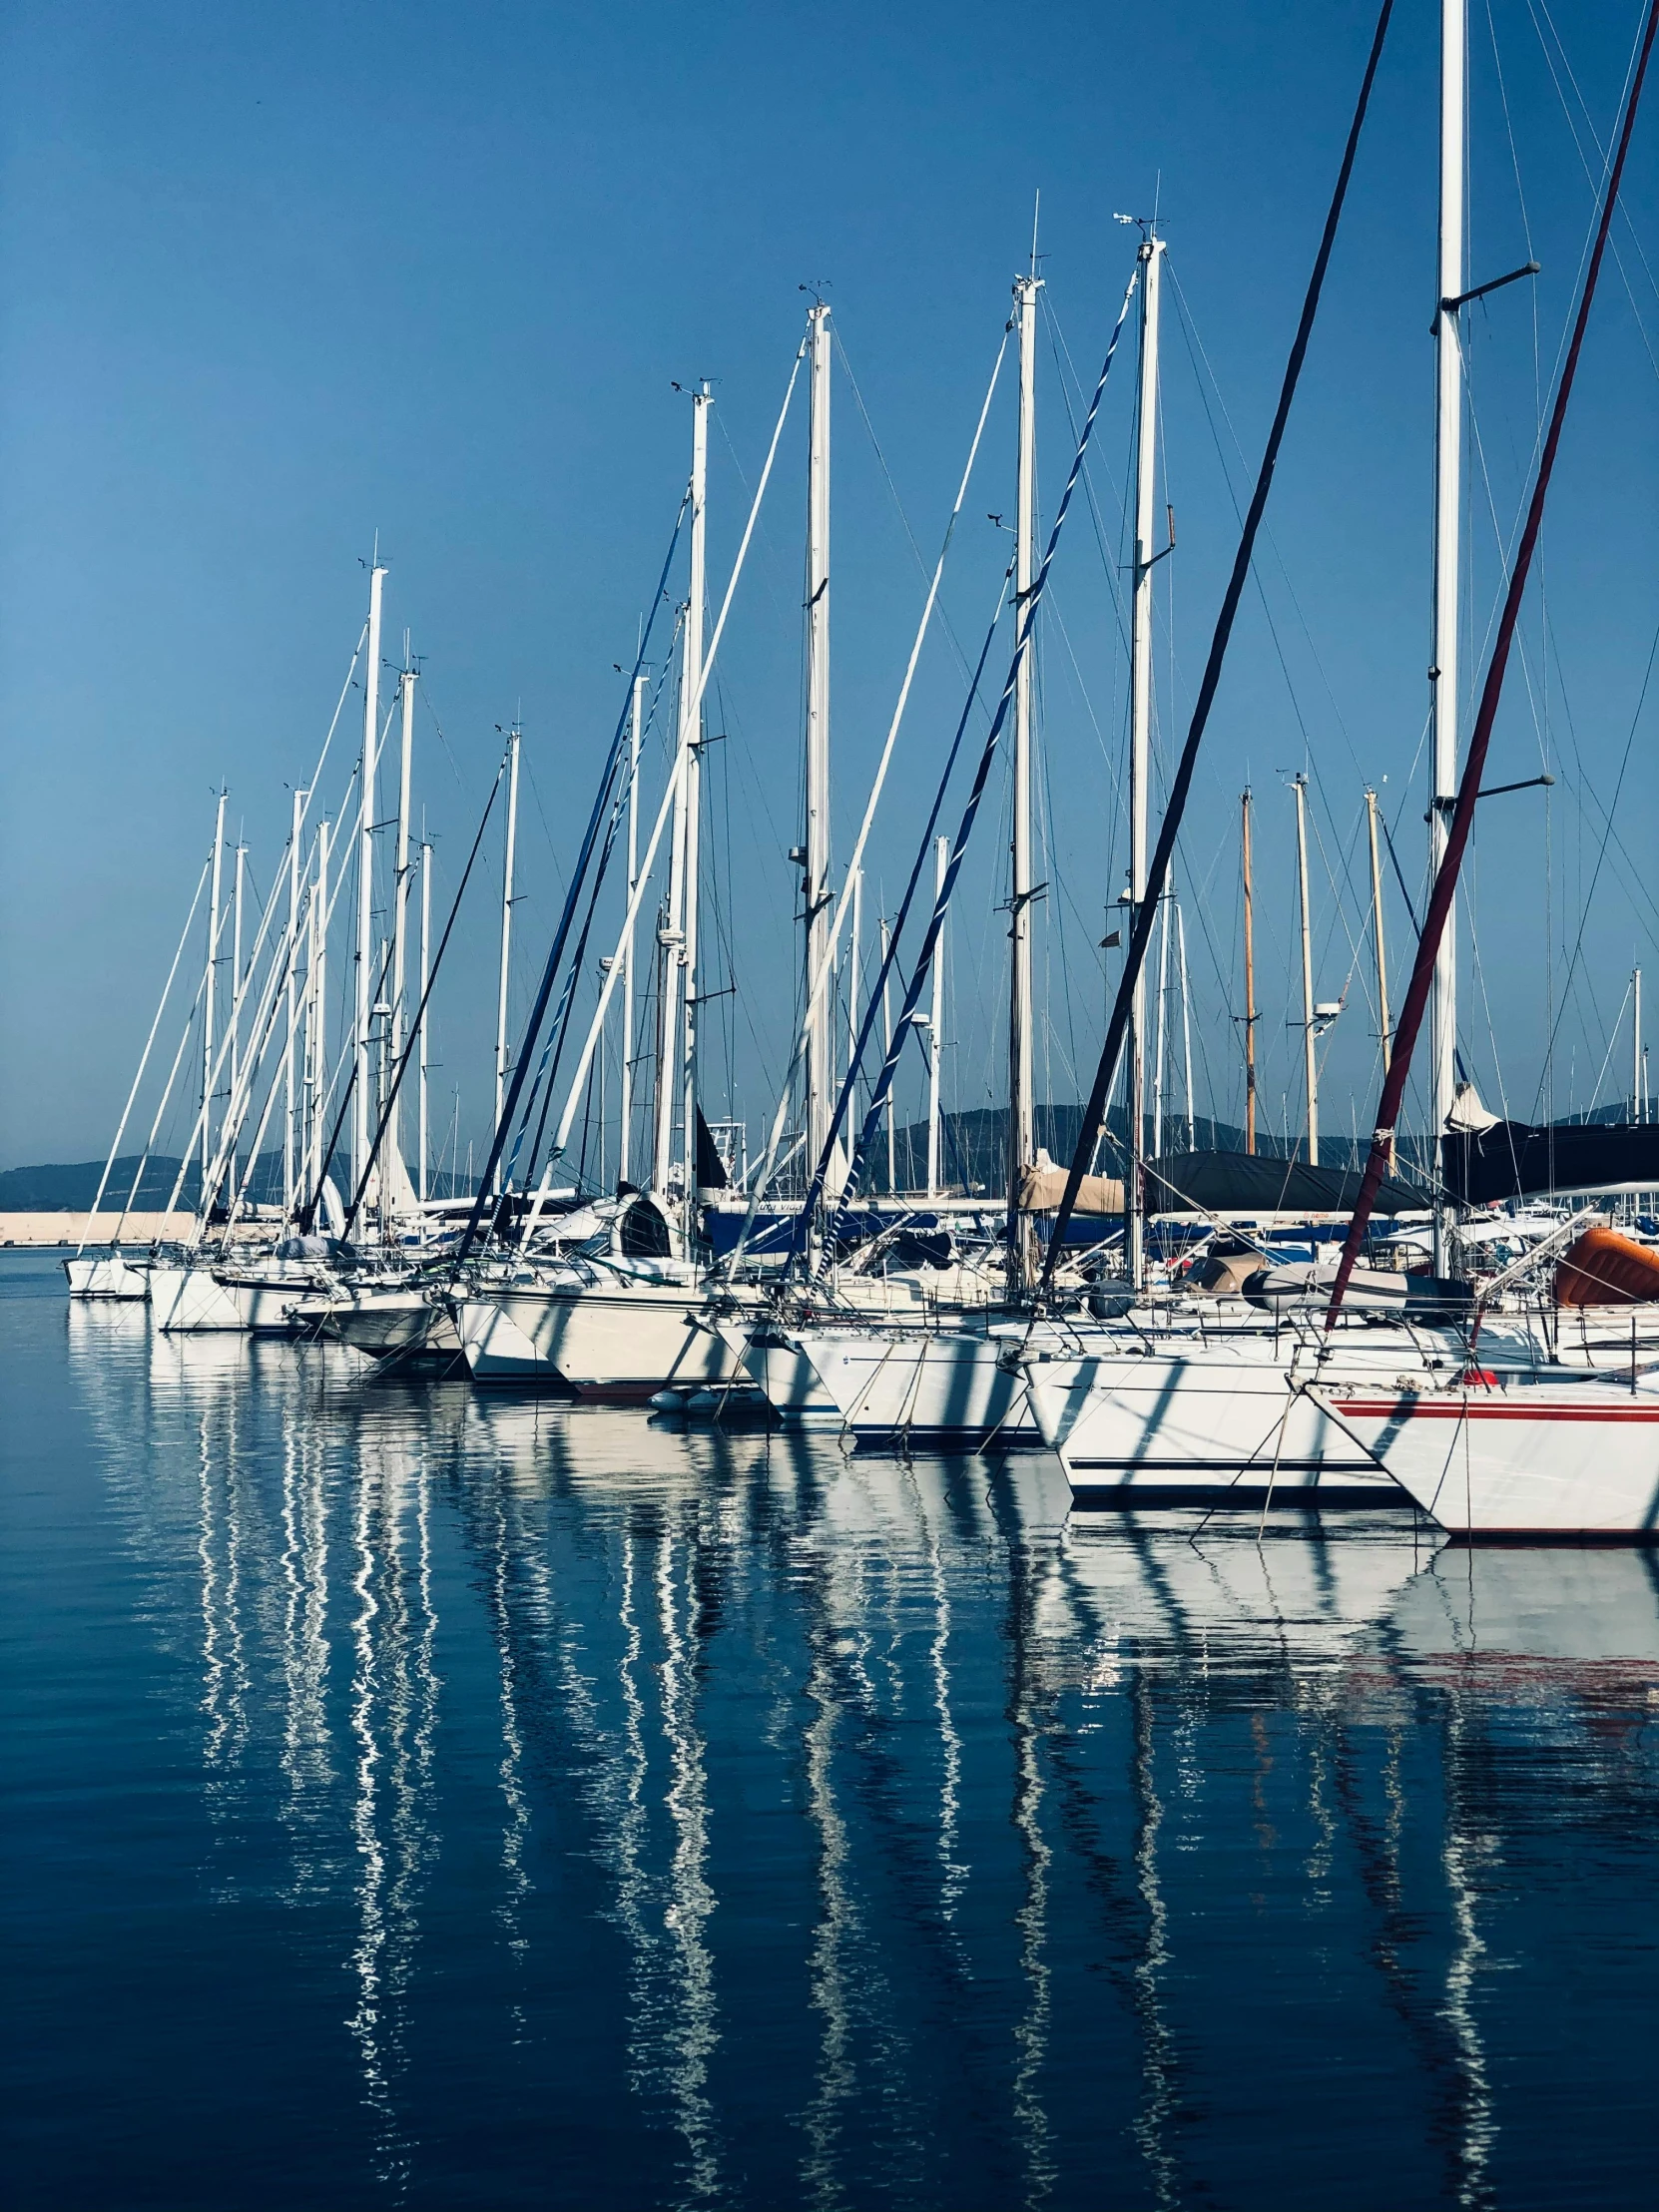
(626, 1085)
(1140, 733)
(672, 1060)
(1449, 428)
(1185, 1026)
(936, 1028)
(506, 925)
(816, 894)
(692, 705)
(316, 1018)
(365, 880)
(1383, 1025)
(1636, 1049)
(208, 997)
(853, 1008)
(426, 980)
(886, 1054)
(1300, 786)
(236, 988)
(1022, 1116)
(1159, 1052)
(289, 1102)
(400, 906)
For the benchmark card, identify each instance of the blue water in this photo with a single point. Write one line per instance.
(414, 1798)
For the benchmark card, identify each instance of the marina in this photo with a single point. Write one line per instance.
(857, 1402)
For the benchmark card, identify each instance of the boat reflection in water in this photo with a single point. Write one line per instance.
(722, 1818)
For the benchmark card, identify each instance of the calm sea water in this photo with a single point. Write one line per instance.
(417, 1798)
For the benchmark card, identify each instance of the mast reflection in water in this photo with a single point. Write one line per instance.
(419, 1798)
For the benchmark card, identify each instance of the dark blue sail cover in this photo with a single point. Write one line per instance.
(1514, 1160)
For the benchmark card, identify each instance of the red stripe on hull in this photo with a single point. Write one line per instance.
(1478, 1410)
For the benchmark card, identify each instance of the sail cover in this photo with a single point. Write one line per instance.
(1252, 1183)
(1514, 1160)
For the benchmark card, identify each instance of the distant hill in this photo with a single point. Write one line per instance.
(72, 1189)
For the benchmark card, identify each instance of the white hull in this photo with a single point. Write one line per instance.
(108, 1274)
(783, 1375)
(890, 1386)
(622, 1340)
(1214, 1421)
(382, 1321)
(183, 1298)
(495, 1349)
(1543, 1456)
(265, 1301)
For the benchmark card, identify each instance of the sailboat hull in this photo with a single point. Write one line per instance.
(1149, 1428)
(189, 1298)
(1521, 1457)
(105, 1274)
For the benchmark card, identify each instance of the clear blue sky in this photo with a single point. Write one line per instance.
(274, 281)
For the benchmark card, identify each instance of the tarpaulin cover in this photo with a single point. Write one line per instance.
(1251, 1183)
(1514, 1160)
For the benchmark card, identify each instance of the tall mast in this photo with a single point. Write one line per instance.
(1376, 930)
(672, 1059)
(426, 980)
(886, 1054)
(316, 1020)
(207, 998)
(400, 908)
(1140, 735)
(236, 991)
(1300, 786)
(1185, 1026)
(820, 1070)
(1636, 1049)
(1449, 431)
(507, 859)
(855, 1007)
(936, 1028)
(626, 1086)
(289, 1102)
(1022, 1116)
(365, 881)
(693, 669)
(1158, 1061)
(1250, 984)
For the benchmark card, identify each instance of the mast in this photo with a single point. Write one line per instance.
(1022, 1118)
(289, 1102)
(691, 706)
(1250, 984)
(1442, 671)
(1636, 1049)
(935, 1026)
(426, 978)
(236, 991)
(506, 925)
(1158, 1048)
(671, 933)
(626, 1084)
(400, 908)
(207, 998)
(1186, 1026)
(854, 1010)
(366, 879)
(1376, 930)
(1300, 786)
(817, 897)
(316, 1020)
(886, 1054)
(1140, 738)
